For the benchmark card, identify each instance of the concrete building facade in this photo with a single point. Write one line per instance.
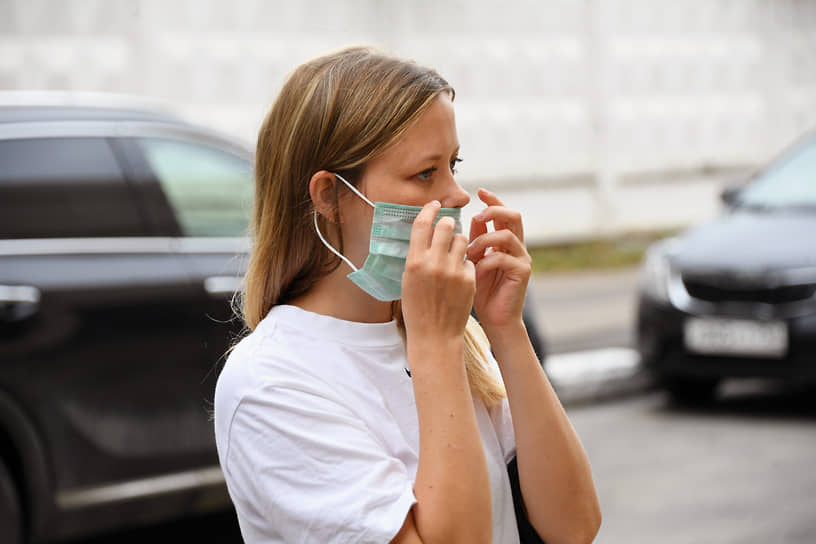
(594, 117)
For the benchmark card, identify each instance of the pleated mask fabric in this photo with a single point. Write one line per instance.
(381, 273)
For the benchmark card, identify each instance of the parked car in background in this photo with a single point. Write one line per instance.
(122, 241)
(737, 297)
(121, 235)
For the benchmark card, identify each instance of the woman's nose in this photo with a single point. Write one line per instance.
(457, 197)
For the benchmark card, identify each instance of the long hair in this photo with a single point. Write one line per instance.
(336, 112)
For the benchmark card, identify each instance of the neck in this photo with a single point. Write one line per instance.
(337, 296)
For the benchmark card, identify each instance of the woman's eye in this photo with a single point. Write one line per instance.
(426, 174)
(453, 164)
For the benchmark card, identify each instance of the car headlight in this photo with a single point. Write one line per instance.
(655, 272)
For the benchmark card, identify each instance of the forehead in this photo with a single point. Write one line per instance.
(433, 133)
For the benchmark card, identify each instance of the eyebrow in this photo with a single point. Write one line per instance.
(437, 156)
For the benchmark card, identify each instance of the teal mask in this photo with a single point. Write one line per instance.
(381, 274)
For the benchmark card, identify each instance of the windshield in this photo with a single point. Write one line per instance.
(789, 183)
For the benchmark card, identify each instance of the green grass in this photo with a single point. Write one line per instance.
(594, 254)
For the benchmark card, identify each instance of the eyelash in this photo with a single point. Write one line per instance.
(426, 174)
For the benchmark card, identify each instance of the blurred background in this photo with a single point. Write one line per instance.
(610, 124)
(594, 117)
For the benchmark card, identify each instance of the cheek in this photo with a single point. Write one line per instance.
(411, 192)
(416, 194)
(357, 232)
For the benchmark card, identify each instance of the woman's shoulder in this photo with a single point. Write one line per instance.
(265, 354)
(262, 362)
(288, 348)
(294, 349)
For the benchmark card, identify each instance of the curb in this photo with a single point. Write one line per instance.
(594, 375)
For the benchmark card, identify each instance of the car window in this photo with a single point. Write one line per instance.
(64, 188)
(209, 189)
(790, 183)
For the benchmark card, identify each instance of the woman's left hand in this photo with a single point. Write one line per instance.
(502, 264)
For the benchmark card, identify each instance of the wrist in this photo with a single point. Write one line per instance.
(429, 345)
(429, 351)
(508, 333)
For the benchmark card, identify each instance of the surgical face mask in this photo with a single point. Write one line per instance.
(381, 274)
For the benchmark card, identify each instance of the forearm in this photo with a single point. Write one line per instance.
(554, 472)
(452, 485)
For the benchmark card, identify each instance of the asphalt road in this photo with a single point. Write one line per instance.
(738, 470)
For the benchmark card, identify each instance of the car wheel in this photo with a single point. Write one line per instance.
(691, 390)
(11, 514)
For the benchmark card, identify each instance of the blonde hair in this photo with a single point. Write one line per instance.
(336, 112)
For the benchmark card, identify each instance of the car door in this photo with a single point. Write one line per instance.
(89, 348)
(206, 184)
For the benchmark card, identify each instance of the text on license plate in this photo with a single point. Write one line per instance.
(736, 337)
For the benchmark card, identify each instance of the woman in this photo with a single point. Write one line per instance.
(362, 408)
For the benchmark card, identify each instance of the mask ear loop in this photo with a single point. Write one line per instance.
(354, 189)
(328, 245)
(317, 229)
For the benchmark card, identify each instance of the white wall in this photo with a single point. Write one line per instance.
(592, 116)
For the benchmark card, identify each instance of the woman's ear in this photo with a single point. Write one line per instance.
(323, 191)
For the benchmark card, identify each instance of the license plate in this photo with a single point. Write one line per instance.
(736, 337)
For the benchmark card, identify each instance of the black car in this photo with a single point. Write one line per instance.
(737, 297)
(122, 241)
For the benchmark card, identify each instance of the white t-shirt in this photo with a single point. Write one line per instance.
(318, 437)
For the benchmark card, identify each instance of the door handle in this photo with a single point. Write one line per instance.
(18, 302)
(218, 286)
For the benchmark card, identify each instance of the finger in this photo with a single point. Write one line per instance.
(442, 234)
(500, 240)
(477, 228)
(489, 198)
(513, 268)
(470, 270)
(459, 247)
(422, 229)
(503, 218)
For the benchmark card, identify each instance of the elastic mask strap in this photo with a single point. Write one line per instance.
(328, 245)
(353, 188)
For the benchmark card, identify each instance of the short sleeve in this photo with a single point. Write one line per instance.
(502, 420)
(303, 468)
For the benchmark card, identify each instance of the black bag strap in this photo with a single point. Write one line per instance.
(527, 533)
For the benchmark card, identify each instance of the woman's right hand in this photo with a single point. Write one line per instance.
(438, 284)
(452, 483)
